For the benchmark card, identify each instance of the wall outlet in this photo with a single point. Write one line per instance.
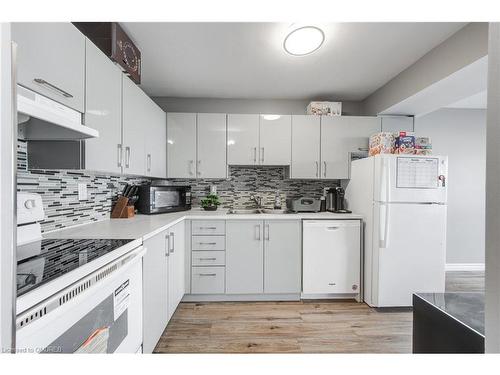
(82, 192)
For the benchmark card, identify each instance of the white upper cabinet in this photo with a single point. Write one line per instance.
(242, 139)
(51, 61)
(395, 124)
(275, 140)
(103, 112)
(134, 111)
(306, 133)
(211, 140)
(340, 136)
(156, 141)
(181, 145)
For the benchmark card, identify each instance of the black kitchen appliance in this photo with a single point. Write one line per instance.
(157, 198)
(336, 200)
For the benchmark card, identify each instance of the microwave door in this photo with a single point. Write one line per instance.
(167, 199)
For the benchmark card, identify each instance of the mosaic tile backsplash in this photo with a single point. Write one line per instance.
(59, 190)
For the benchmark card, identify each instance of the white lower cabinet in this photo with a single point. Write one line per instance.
(163, 282)
(244, 257)
(207, 280)
(282, 256)
(155, 290)
(263, 257)
(176, 269)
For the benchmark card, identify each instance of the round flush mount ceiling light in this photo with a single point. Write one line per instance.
(304, 40)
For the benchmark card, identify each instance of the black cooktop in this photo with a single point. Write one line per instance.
(42, 261)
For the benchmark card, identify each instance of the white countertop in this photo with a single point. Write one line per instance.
(146, 226)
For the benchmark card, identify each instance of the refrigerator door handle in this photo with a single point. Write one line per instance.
(384, 226)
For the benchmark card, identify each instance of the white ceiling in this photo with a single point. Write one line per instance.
(246, 60)
(477, 101)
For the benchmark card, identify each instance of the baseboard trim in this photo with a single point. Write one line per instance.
(464, 267)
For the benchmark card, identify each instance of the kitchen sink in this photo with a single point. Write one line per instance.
(256, 211)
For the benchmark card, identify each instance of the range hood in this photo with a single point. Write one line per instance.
(41, 118)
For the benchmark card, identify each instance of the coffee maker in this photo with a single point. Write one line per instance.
(335, 201)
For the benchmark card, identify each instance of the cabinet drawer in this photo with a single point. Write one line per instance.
(207, 280)
(208, 258)
(208, 243)
(209, 227)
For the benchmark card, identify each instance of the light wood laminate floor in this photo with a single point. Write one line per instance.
(296, 327)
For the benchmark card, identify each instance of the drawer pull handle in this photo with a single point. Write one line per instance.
(207, 258)
(332, 228)
(43, 82)
(208, 227)
(207, 274)
(207, 243)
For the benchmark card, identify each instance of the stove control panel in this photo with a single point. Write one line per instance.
(29, 208)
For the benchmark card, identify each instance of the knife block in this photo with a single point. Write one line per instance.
(122, 210)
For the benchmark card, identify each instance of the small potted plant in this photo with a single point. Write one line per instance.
(210, 202)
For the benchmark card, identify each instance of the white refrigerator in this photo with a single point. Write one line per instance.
(403, 201)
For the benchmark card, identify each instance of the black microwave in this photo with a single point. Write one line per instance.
(158, 199)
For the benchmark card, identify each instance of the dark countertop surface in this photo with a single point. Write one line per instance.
(465, 307)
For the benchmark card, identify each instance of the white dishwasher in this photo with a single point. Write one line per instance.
(331, 265)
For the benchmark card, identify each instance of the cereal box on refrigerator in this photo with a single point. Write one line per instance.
(423, 146)
(405, 143)
(381, 143)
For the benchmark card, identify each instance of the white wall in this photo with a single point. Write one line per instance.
(461, 134)
(7, 193)
(269, 106)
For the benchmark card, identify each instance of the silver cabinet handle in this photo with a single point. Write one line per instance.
(120, 154)
(167, 245)
(207, 243)
(127, 157)
(317, 168)
(255, 155)
(207, 258)
(266, 228)
(324, 170)
(54, 88)
(198, 171)
(257, 232)
(208, 227)
(149, 162)
(191, 167)
(363, 149)
(207, 274)
(262, 160)
(172, 249)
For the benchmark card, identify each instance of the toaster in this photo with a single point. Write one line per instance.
(304, 204)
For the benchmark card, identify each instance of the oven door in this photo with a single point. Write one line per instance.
(102, 313)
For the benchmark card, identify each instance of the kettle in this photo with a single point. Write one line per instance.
(335, 201)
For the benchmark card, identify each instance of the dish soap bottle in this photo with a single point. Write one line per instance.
(277, 201)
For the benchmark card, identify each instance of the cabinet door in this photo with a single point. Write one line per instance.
(282, 256)
(155, 290)
(181, 145)
(54, 55)
(156, 142)
(244, 257)
(242, 139)
(305, 147)
(275, 140)
(176, 269)
(341, 135)
(395, 124)
(211, 139)
(134, 103)
(103, 112)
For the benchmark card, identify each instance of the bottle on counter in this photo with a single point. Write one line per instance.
(322, 207)
(277, 201)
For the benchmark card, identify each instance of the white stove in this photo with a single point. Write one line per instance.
(75, 295)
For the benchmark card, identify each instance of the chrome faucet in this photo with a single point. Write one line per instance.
(257, 200)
